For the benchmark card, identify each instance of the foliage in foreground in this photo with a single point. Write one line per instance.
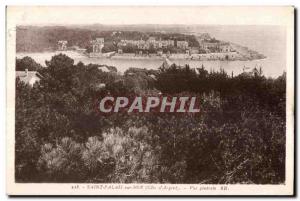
(238, 137)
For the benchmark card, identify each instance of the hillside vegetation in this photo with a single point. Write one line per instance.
(238, 136)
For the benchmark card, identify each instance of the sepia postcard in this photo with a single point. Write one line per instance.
(150, 100)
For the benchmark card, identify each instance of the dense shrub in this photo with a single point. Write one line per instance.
(238, 136)
(27, 63)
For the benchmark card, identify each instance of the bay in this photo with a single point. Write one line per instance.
(123, 64)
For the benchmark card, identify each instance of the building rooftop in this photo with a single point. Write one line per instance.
(28, 77)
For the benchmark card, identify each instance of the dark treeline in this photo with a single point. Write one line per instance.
(238, 137)
(27, 63)
(245, 88)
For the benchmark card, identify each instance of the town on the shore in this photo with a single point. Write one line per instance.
(151, 47)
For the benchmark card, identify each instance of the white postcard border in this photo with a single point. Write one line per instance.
(15, 16)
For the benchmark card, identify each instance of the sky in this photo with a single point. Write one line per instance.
(40, 15)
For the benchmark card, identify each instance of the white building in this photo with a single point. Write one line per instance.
(225, 47)
(62, 45)
(28, 77)
(98, 45)
(182, 44)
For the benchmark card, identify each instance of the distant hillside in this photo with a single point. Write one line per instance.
(37, 38)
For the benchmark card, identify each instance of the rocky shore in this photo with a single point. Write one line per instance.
(229, 56)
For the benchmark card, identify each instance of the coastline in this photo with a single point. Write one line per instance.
(125, 62)
(233, 56)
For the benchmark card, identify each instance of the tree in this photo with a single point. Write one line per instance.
(61, 163)
(27, 63)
